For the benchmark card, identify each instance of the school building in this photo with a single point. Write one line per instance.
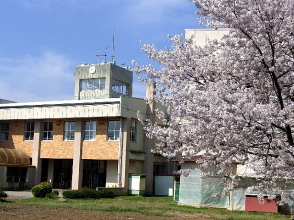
(92, 141)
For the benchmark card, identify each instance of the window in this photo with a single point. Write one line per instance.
(90, 131)
(119, 87)
(159, 169)
(113, 130)
(48, 130)
(93, 84)
(69, 130)
(94, 173)
(4, 131)
(16, 174)
(29, 131)
(133, 131)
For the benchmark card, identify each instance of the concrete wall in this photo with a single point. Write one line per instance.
(122, 75)
(138, 144)
(202, 36)
(136, 167)
(61, 109)
(82, 72)
(110, 72)
(115, 107)
(130, 106)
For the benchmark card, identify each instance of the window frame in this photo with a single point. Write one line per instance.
(120, 87)
(133, 131)
(4, 131)
(17, 174)
(69, 131)
(30, 130)
(93, 84)
(90, 131)
(116, 132)
(46, 130)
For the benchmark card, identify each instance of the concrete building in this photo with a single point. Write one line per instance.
(2, 101)
(92, 141)
(203, 36)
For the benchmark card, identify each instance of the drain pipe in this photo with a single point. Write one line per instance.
(120, 152)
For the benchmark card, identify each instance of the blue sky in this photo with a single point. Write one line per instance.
(42, 41)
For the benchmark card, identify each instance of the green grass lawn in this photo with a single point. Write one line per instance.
(152, 206)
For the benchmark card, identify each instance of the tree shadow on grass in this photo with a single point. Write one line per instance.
(5, 201)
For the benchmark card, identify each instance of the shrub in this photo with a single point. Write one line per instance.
(41, 190)
(72, 194)
(52, 195)
(106, 193)
(3, 195)
(90, 193)
(55, 192)
(82, 193)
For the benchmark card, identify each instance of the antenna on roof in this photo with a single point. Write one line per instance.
(105, 55)
(98, 55)
(112, 56)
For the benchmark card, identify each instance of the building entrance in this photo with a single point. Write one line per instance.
(94, 174)
(62, 174)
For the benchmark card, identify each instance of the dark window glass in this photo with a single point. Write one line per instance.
(69, 130)
(4, 131)
(113, 130)
(29, 131)
(48, 130)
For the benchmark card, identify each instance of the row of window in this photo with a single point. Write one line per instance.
(89, 133)
(93, 84)
(99, 84)
(119, 87)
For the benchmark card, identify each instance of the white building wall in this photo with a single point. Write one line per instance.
(202, 36)
(111, 170)
(197, 191)
(62, 109)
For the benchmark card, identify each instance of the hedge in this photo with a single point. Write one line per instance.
(106, 193)
(88, 193)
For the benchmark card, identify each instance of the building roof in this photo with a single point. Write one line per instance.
(93, 108)
(60, 103)
(5, 101)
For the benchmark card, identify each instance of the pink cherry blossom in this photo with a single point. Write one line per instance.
(234, 97)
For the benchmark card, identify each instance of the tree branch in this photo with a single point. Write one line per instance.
(279, 127)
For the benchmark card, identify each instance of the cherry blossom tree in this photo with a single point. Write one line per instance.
(231, 100)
